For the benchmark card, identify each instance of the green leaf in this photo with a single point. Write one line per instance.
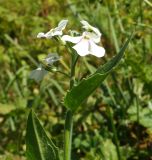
(108, 150)
(39, 146)
(79, 93)
(145, 115)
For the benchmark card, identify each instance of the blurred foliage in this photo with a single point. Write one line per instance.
(117, 122)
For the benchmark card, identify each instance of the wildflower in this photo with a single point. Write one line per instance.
(55, 31)
(52, 58)
(86, 44)
(38, 74)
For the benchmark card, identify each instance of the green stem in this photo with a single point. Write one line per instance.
(69, 116)
(68, 135)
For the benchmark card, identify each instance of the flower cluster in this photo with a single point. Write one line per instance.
(84, 44)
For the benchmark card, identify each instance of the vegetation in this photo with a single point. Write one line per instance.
(115, 122)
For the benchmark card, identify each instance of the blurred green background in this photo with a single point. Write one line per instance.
(115, 123)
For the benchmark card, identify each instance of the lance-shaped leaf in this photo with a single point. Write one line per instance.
(80, 92)
(38, 144)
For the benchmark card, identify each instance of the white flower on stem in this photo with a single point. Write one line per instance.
(86, 44)
(55, 31)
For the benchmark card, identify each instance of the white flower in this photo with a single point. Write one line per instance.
(86, 44)
(52, 58)
(55, 31)
(38, 74)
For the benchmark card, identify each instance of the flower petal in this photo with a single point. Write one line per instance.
(85, 23)
(49, 35)
(52, 58)
(41, 35)
(96, 50)
(56, 33)
(62, 24)
(45, 35)
(88, 27)
(38, 74)
(71, 39)
(82, 47)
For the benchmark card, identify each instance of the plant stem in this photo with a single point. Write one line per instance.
(69, 115)
(68, 135)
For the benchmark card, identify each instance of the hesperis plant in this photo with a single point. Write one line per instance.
(39, 145)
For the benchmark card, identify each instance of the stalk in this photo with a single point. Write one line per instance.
(68, 135)
(69, 115)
